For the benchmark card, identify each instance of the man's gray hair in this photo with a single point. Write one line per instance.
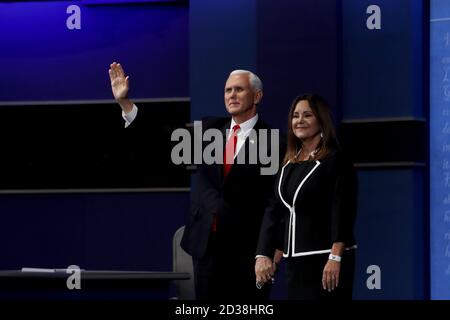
(255, 82)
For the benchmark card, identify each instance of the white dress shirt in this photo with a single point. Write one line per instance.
(130, 116)
(246, 127)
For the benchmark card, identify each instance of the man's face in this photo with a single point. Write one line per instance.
(240, 98)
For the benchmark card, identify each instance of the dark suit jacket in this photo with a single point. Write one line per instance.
(325, 208)
(239, 200)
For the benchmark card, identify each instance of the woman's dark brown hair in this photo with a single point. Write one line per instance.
(321, 110)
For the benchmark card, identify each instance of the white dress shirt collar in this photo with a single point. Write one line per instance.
(242, 134)
(245, 126)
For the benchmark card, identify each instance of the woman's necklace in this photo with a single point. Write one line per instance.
(311, 155)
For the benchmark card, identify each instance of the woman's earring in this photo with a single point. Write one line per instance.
(321, 134)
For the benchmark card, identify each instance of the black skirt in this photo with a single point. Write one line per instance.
(304, 277)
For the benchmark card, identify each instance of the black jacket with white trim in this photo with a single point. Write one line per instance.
(322, 212)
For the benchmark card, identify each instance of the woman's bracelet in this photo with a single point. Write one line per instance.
(334, 257)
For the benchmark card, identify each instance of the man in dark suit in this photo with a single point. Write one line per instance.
(227, 200)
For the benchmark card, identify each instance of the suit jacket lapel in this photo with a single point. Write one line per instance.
(224, 142)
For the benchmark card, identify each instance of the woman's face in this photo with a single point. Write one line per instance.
(304, 123)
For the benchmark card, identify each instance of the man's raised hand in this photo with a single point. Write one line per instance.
(120, 86)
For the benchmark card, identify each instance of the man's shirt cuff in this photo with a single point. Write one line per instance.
(130, 116)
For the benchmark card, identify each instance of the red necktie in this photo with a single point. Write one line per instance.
(230, 151)
(228, 159)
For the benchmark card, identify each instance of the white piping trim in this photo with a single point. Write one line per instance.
(286, 255)
(288, 206)
(293, 217)
(293, 204)
(279, 186)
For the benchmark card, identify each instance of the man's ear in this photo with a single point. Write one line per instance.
(258, 97)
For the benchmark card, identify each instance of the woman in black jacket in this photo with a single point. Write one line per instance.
(316, 206)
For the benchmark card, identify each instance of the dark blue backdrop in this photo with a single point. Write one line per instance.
(296, 46)
(382, 79)
(439, 148)
(43, 60)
